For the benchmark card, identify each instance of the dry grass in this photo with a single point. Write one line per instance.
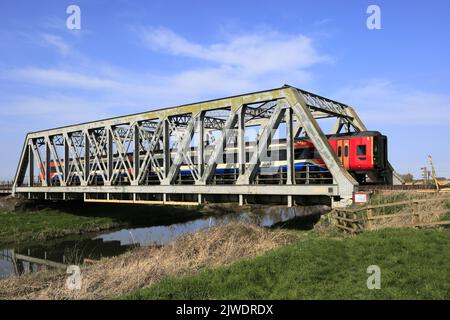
(422, 212)
(142, 267)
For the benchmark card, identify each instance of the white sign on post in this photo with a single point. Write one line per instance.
(360, 197)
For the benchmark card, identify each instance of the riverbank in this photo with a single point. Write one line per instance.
(28, 221)
(240, 261)
(141, 267)
(41, 225)
(31, 222)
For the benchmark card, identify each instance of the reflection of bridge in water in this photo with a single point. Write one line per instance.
(181, 155)
(64, 254)
(78, 249)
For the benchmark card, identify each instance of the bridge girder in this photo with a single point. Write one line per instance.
(124, 151)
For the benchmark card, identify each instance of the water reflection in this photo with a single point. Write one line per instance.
(78, 250)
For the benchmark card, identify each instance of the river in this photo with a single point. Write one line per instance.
(77, 249)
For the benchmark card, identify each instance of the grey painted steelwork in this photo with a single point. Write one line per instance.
(144, 153)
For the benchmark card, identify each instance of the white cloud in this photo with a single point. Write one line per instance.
(51, 110)
(244, 63)
(380, 101)
(58, 78)
(250, 55)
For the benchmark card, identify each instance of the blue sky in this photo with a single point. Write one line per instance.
(132, 56)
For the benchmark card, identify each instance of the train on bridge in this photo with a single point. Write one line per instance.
(363, 155)
(205, 152)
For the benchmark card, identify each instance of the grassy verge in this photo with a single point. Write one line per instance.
(447, 215)
(414, 265)
(58, 220)
(46, 224)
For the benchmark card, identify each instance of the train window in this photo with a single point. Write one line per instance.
(339, 151)
(346, 151)
(316, 154)
(281, 154)
(361, 150)
(303, 153)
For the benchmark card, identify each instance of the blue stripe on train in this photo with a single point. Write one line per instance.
(298, 167)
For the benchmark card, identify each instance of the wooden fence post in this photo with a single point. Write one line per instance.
(369, 219)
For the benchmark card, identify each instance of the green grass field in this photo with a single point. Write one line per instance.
(46, 224)
(415, 264)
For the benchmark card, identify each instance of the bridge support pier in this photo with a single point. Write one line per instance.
(289, 201)
(241, 199)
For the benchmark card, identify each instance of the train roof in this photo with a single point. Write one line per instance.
(355, 134)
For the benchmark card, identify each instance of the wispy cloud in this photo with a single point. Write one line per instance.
(57, 42)
(62, 78)
(244, 62)
(322, 22)
(379, 100)
(249, 54)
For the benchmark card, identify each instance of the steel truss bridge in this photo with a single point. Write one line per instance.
(139, 158)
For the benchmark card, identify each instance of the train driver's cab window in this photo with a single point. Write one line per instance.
(361, 150)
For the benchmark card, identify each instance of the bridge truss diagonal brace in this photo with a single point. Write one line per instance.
(149, 152)
(344, 180)
(121, 150)
(97, 150)
(76, 161)
(210, 167)
(24, 163)
(56, 160)
(39, 162)
(182, 153)
(267, 133)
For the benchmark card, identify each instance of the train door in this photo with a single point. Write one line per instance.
(343, 152)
